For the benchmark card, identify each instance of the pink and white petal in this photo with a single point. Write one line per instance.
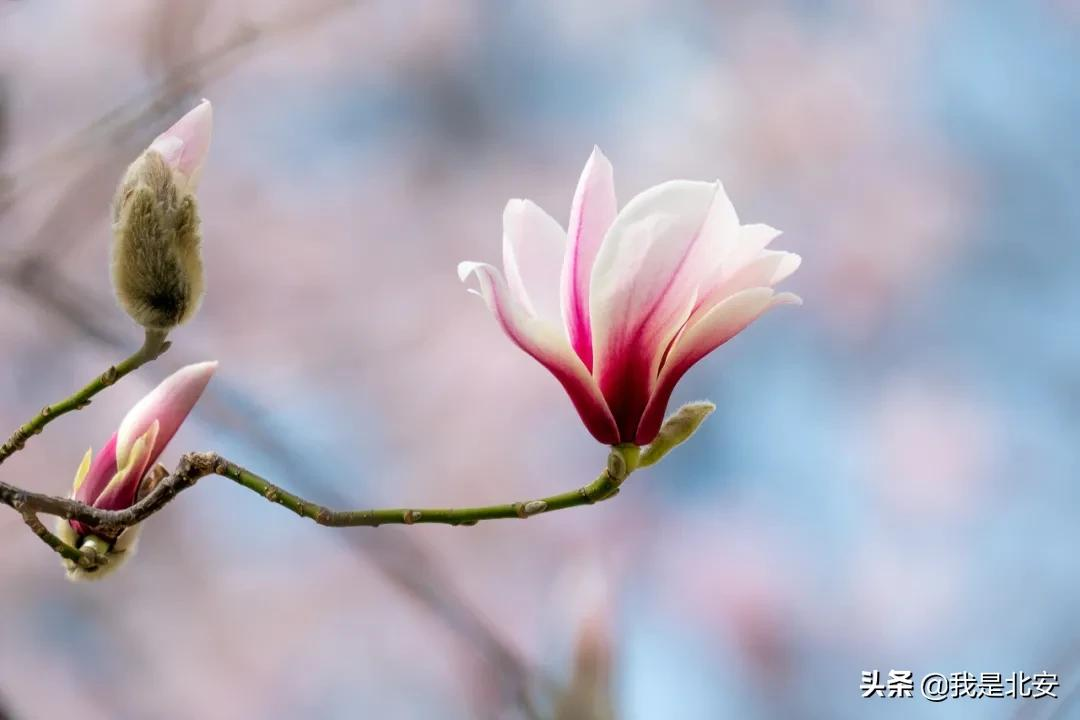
(545, 342)
(768, 269)
(168, 404)
(102, 468)
(750, 241)
(591, 214)
(186, 144)
(721, 233)
(723, 322)
(644, 286)
(704, 260)
(533, 248)
(787, 263)
(122, 488)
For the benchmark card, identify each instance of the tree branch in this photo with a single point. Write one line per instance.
(153, 346)
(194, 466)
(237, 411)
(83, 559)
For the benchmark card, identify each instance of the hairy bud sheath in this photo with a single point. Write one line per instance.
(676, 430)
(157, 269)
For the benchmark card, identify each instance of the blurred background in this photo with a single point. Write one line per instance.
(889, 481)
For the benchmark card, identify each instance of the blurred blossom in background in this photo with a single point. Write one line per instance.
(889, 480)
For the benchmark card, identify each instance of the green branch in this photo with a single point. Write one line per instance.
(622, 461)
(153, 346)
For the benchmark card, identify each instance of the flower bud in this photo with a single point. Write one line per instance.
(676, 430)
(157, 270)
(124, 470)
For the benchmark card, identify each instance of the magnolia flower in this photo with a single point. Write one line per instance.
(113, 479)
(622, 305)
(157, 269)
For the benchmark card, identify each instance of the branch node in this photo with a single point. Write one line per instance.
(616, 467)
(534, 507)
(411, 516)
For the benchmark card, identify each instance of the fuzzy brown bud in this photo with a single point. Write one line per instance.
(157, 269)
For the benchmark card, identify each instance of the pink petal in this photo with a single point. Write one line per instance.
(102, 469)
(591, 214)
(168, 404)
(185, 145)
(533, 248)
(122, 488)
(723, 322)
(546, 343)
(644, 286)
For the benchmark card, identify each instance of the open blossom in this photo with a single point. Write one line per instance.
(112, 479)
(622, 305)
(157, 268)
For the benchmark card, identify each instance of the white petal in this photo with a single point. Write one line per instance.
(533, 248)
(750, 241)
(768, 269)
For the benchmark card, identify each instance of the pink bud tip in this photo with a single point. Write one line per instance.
(185, 145)
(169, 404)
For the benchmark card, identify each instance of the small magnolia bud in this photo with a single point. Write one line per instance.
(157, 269)
(676, 430)
(125, 471)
